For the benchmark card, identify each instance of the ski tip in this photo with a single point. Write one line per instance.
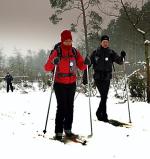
(84, 142)
(44, 131)
(119, 123)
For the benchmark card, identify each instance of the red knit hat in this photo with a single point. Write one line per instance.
(65, 35)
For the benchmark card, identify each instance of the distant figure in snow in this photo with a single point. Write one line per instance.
(8, 78)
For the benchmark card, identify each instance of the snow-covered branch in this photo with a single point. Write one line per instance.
(141, 31)
(147, 42)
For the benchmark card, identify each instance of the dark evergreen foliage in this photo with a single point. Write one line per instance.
(137, 85)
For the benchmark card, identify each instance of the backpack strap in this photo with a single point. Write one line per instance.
(74, 52)
(59, 52)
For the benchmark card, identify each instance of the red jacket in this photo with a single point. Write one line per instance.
(64, 73)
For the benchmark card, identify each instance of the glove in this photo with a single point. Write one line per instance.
(87, 61)
(84, 81)
(56, 60)
(123, 54)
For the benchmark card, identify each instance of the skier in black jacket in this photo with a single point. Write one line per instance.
(102, 60)
(8, 78)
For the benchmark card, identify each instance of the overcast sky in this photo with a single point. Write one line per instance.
(24, 25)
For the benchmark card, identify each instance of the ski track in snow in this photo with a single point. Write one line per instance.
(22, 117)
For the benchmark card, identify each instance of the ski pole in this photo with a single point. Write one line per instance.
(88, 79)
(117, 95)
(76, 96)
(125, 77)
(52, 86)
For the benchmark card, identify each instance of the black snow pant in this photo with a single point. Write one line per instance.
(103, 88)
(65, 104)
(9, 85)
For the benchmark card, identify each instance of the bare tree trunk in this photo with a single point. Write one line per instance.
(85, 27)
(147, 73)
(143, 33)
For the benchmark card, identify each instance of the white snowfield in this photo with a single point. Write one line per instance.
(23, 115)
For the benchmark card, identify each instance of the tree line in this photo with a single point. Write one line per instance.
(122, 30)
(29, 65)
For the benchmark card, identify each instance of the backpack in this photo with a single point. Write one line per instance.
(59, 54)
(59, 51)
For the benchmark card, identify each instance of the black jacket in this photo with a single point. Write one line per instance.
(8, 78)
(102, 60)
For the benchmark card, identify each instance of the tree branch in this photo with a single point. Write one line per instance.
(77, 21)
(106, 13)
(88, 4)
(131, 22)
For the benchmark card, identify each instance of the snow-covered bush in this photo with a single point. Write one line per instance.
(137, 85)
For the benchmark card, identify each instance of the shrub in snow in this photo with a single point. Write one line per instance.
(137, 85)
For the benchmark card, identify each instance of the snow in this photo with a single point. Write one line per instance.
(23, 115)
(147, 42)
(141, 31)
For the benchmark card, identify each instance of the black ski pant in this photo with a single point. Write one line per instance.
(9, 85)
(65, 104)
(103, 88)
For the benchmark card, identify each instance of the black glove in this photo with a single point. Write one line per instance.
(84, 81)
(123, 54)
(56, 60)
(87, 61)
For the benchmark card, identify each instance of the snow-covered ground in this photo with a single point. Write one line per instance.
(23, 115)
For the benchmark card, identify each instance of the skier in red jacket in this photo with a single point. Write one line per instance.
(65, 82)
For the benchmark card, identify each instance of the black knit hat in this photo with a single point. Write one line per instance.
(105, 37)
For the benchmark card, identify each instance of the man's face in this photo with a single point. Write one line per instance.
(105, 43)
(67, 42)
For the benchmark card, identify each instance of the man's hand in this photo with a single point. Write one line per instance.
(123, 54)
